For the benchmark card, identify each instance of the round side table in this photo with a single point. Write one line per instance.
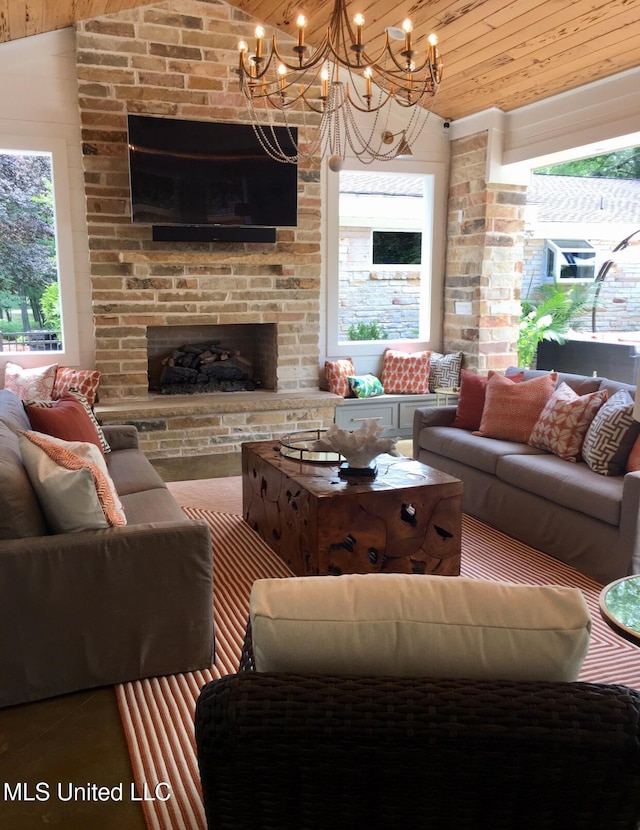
(620, 607)
(445, 393)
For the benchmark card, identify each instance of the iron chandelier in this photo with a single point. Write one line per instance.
(326, 91)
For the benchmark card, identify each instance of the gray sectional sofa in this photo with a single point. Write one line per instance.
(589, 521)
(97, 607)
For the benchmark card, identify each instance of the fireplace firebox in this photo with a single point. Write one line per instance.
(197, 359)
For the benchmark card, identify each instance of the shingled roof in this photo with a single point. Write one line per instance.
(582, 199)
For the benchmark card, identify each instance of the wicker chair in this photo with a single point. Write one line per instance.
(287, 752)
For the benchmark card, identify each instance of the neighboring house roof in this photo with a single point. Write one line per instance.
(381, 184)
(585, 199)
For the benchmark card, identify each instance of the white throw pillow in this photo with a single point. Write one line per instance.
(72, 483)
(418, 626)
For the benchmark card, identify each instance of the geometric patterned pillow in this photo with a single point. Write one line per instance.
(336, 373)
(444, 371)
(611, 436)
(30, 384)
(564, 421)
(84, 380)
(406, 372)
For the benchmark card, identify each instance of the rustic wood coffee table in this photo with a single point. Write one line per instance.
(406, 520)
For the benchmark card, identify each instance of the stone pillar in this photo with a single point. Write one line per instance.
(485, 238)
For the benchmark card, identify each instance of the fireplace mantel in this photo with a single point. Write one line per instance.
(216, 258)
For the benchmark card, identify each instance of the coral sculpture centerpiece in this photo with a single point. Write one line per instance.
(359, 447)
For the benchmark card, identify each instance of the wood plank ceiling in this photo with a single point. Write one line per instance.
(497, 53)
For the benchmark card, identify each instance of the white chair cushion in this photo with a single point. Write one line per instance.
(418, 626)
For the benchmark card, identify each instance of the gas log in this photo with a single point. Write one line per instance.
(205, 367)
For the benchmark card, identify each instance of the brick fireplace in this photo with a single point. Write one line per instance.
(181, 62)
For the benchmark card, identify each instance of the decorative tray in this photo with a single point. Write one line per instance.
(298, 446)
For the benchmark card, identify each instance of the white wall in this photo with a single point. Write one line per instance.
(39, 105)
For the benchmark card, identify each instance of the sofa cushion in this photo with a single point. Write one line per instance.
(20, 512)
(132, 473)
(473, 450)
(582, 384)
(30, 384)
(564, 421)
(405, 372)
(571, 485)
(12, 411)
(151, 507)
(71, 480)
(611, 436)
(418, 626)
(512, 409)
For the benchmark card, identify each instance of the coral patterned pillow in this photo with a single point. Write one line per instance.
(564, 421)
(337, 373)
(511, 410)
(406, 372)
(83, 380)
(30, 384)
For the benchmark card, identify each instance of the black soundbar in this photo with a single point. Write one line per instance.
(212, 233)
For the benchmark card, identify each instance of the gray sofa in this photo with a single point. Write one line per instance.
(92, 608)
(589, 521)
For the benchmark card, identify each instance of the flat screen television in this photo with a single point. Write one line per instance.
(206, 173)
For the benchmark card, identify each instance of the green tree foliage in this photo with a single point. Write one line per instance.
(50, 302)
(27, 237)
(623, 164)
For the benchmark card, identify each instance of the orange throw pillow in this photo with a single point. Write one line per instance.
(471, 399)
(337, 373)
(67, 419)
(511, 410)
(405, 373)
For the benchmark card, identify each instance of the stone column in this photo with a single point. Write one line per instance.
(485, 237)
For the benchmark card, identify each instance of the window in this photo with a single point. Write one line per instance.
(570, 260)
(383, 282)
(397, 247)
(29, 291)
(37, 268)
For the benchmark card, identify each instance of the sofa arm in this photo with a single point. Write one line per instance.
(93, 608)
(121, 436)
(430, 416)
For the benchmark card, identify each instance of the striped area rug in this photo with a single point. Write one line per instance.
(157, 714)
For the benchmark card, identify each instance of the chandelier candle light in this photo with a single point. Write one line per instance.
(329, 86)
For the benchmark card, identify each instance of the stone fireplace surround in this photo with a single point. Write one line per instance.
(179, 60)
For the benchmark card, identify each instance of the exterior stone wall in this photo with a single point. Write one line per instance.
(485, 237)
